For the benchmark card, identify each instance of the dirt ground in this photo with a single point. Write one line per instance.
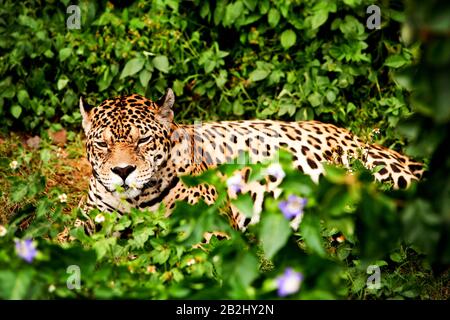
(66, 170)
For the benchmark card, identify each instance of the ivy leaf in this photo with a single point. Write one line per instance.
(132, 67)
(288, 38)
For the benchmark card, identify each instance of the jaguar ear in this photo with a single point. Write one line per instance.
(165, 104)
(85, 110)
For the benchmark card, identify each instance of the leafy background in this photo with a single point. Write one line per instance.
(289, 60)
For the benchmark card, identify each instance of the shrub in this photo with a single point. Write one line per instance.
(278, 59)
(224, 60)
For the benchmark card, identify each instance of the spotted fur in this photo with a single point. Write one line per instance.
(138, 154)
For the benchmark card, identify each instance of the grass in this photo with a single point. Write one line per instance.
(67, 169)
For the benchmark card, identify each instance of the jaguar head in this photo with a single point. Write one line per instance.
(128, 141)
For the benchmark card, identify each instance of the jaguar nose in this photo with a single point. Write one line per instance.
(123, 172)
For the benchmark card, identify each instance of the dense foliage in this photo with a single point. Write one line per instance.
(228, 59)
(225, 59)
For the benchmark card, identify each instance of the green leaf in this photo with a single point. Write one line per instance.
(8, 92)
(315, 99)
(15, 285)
(258, 75)
(396, 257)
(311, 232)
(178, 87)
(246, 268)
(238, 109)
(244, 204)
(161, 254)
(221, 79)
(288, 38)
(287, 108)
(104, 246)
(136, 23)
(64, 53)
(219, 12)
(19, 193)
(23, 97)
(304, 114)
(271, 224)
(105, 80)
(331, 96)
(273, 17)
(46, 155)
(395, 61)
(318, 19)
(144, 77)
(16, 111)
(352, 3)
(141, 235)
(232, 12)
(62, 82)
(132, 67)
(161, 63)
(321, 10)
(205, 10)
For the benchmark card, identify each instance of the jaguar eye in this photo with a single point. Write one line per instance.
(144, 140)
(101, 144)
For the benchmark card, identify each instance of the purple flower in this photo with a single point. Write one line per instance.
(234, 183)
(275, 170)
(26, 249)
(289, 282)
(293, 207)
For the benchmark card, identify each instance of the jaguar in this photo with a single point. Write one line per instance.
(138, 154)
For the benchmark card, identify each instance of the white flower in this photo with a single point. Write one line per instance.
(99, 218)
(62, 198)
(3, 231)
(13, 165)
(190, 262)
(234, 183)
(51, 288)
(275, 170)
